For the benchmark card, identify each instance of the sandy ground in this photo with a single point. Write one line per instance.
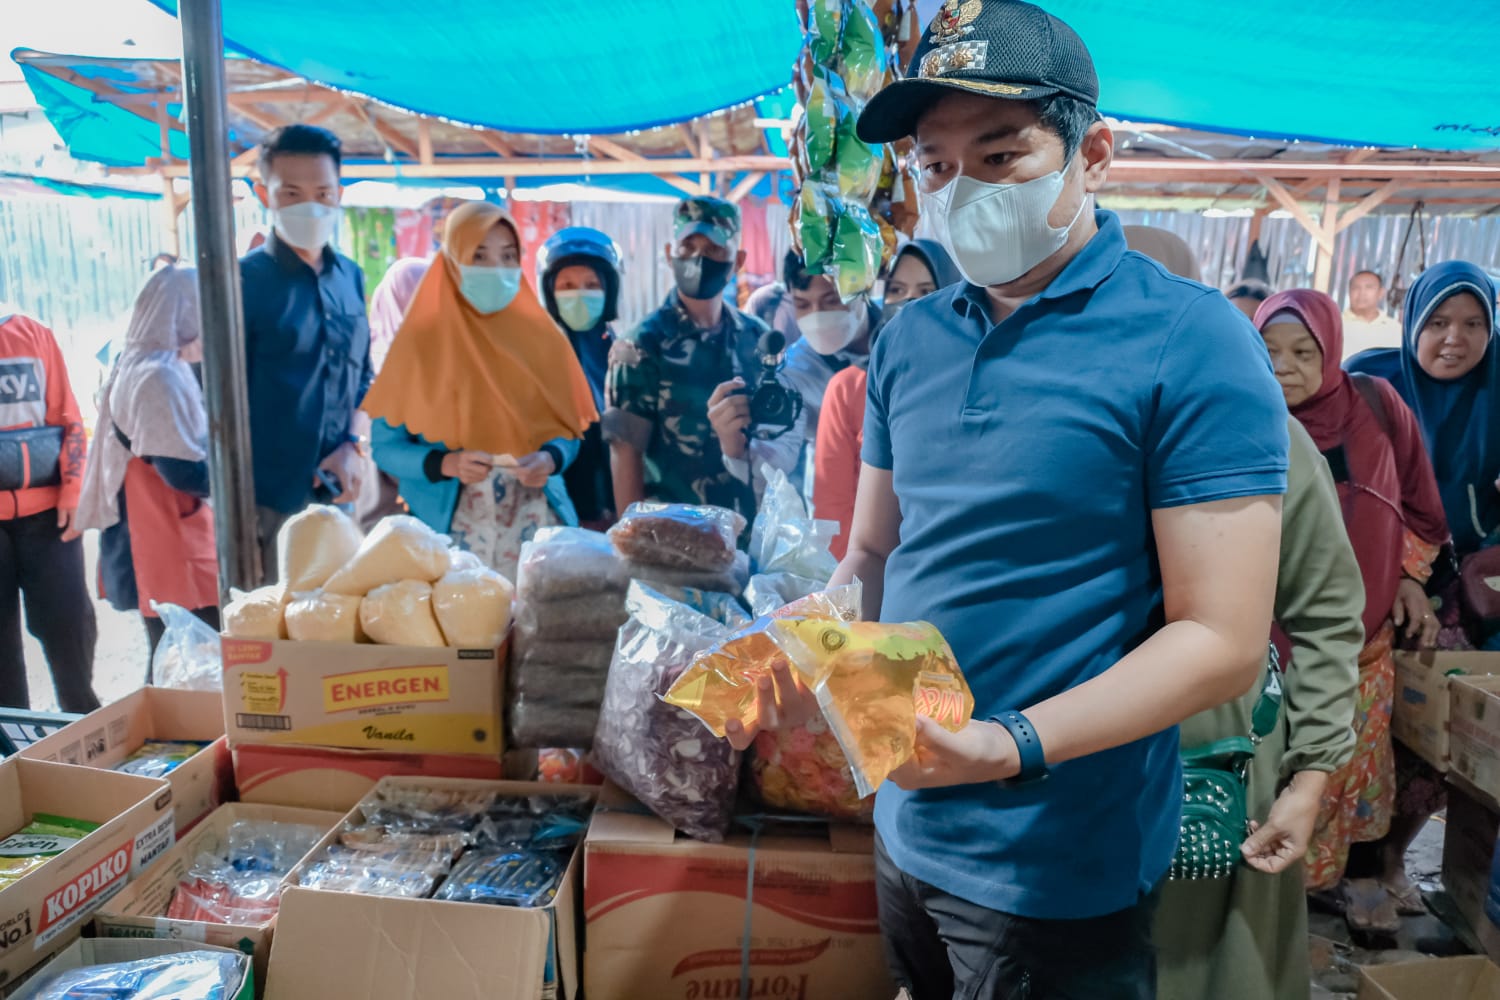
(120, 658)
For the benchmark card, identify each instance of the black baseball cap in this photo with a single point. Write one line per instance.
(996, 48)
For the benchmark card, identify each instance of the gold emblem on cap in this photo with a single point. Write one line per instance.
(953, 59)
(954, 20)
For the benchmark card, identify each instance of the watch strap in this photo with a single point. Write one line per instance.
(1033, 757)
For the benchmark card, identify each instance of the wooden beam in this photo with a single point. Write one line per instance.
(171, 212)
(1291, 204)
(745, 186)
(424, 141)
(164, 130)
(492, 139)
(1359, 155)
(1137, 169)
(391, 137)
(328, 111)
(246, 108)
(531, 167)
(614, 151)
(1368, 204)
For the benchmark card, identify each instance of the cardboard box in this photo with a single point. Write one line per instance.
(83, 953)
(1421, 715)
(337, 944)
(1471, 977)
(1475, 726)
(106, 737)
(44, 911)
(140, 910)
(1468, 852)
(667, 915)
(363, 697)
(320, 778)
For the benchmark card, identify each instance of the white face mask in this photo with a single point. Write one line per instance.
(997, 232)
(309, 225)
(489, 289)
(832, 330)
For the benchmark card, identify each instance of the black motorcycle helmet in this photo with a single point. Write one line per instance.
(580, 245)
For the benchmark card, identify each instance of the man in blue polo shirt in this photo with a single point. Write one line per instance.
(307, 339)
(1073, 464)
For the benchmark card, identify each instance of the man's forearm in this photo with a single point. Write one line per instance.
(1185, 668)
(869, 569)
(628, 470)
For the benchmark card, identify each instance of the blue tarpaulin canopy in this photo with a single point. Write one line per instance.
(582, 66)
(1363, 72)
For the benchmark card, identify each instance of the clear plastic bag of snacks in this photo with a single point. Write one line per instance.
(679, 536)
(651, 748)
(562, 563)
(804, 770)
(521, 878)
(189, 975)
(720, 683)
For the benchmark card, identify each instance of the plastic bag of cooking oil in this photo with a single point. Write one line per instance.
(872, 680)
(720, 684)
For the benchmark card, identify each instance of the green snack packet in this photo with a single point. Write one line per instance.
(814, 220)
(38, 842)
(821, 124)
(825, 21)
(859, 163)
(856, 252)
(863, 56)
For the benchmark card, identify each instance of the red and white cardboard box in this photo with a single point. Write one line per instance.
(326, 778)
(44, 911)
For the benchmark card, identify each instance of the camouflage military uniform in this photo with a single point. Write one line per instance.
(661, 376)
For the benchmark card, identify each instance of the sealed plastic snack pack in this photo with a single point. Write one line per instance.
(189, 975)
(38, 842)
(863, 58)
(568, 562)
(650, 747)
(679, 536)
(872, 680)
(400, 548)
(803, 769)
(314, 545)
(856, 252)
(260, 614)
(720, 683)
(400, 614)
(324, 617)
(473, 604)
(159, 758)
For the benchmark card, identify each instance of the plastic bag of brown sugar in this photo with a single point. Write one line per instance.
(719, 685)
(679, 536)
(400, 548)
(872, 680)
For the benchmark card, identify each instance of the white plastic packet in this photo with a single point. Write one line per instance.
(400, 548)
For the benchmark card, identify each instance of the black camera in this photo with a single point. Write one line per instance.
(774, 406)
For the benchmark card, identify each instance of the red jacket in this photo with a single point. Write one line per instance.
(34, 392)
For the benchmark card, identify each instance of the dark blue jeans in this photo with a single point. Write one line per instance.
(939, 947)
(39, 568)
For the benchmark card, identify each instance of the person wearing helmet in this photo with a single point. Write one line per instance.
(579, 270)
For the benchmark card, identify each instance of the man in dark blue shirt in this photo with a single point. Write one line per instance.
(307, 339)
(1073, 464)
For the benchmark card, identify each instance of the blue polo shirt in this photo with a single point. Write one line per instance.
(1027, 457)
(307, 356)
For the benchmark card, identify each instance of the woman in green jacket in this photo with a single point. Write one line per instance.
(1245, 937)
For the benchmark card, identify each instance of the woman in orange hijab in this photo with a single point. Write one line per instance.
(481, 403)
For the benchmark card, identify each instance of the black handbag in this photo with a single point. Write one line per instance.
(30, 458)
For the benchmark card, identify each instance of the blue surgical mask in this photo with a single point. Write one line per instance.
(489, 289)
(580, 309)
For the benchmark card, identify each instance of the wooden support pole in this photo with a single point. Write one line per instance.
(1289, 202)
(424, 141)
(1323, 268)
(171, 209)
(614, 151)
(522, 167)
(492, 139)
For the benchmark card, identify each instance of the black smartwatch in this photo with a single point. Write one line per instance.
(1033, 758)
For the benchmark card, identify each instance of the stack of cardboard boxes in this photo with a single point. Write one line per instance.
(317, 724)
